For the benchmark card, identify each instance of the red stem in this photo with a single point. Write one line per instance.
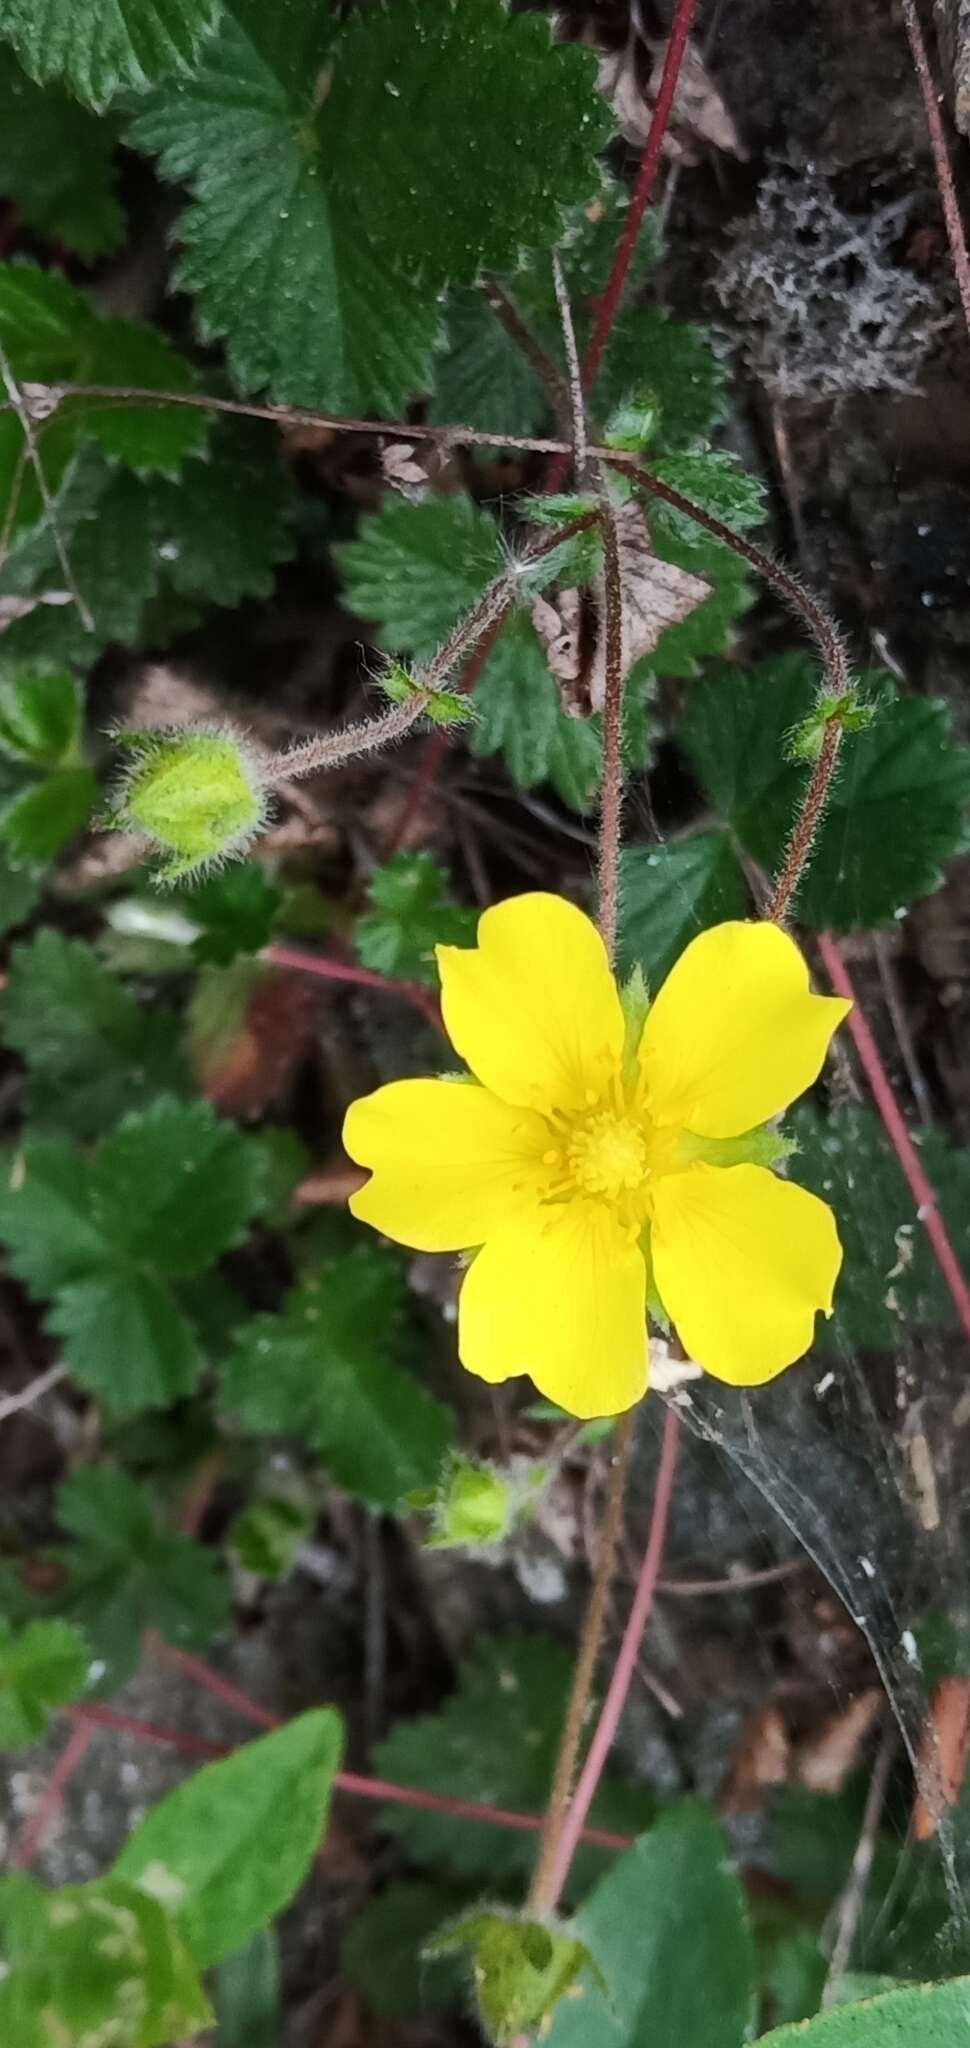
(626, 1660)
(941, 157)
(422, 999)
(928, 1208)
(33, 1835)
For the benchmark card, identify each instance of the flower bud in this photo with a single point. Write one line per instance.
(196, 794)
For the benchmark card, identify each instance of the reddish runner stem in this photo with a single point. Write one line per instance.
(32, 1839)
(422, 999)
(928, 1208)
(941, 157)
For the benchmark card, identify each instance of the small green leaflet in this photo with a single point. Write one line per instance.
(897, 809)
(98, 46)
(40, 717)
(40, 724)
(325, 1370)
(717, 483)
(668, 1927)
(231, 1846)
(674, 364)
(92, 1051)
(126, 1573)
(109, 1236)
(41, 1667)
(669, 893)
(495, 1740)
(236, 908)
(57, 164)
(410, 914)
(922, 2016)
(49, 814)
(19, 890)
(50, 332)
(96, 1963)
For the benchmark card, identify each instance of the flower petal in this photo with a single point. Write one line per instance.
(734, 1035)
(743, 1261)
(450, 1162)
(561, 1296)
(533, 1008)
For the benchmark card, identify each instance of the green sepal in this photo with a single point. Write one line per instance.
(852, 712)
(634, 423)
(634, 1002)
(442, 707)
(477, 1503)
(521, 1969)
(656, 1313)
(762, 1147)
(559, 508)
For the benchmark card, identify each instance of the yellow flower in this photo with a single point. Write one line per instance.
(582, 1165)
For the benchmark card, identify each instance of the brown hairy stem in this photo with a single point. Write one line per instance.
(612, 800)
(806, 824)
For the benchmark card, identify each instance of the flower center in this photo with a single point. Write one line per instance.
(608, 1155)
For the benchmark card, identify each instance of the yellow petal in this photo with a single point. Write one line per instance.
(743, 1262)
(734, 1035)
(533, 1008)
(449, 1162)
(561, 1296)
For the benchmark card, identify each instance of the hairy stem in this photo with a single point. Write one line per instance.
(577, 410)
(584, 1674)
(941, 158)
(330, 749)
(612, 800)
(806, 824)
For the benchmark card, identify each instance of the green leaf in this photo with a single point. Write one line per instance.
(92, 1051)
(710, 629)
(226, 522)
(410, 914)
(57, 165)
(448, 199)
(323, 1369)
(495, 1741)
(247, 1995)
(278, 266)
(103, 516)
(668, 1928)
(520, 715)
(673, 364)
(44, 818)
(19, 890)
(481, 377)
(42, 1667)
(890, 1281)
(897, 808)
(232, 1845)
(51, 332)
(93, 1964)
(163, 1197)
(717, 483)
(267, 1535)
(40, 717)
(98, 46)
(236, 909)
(927, 2016)
(125, 1573)
(669, 893)
(383, 1952)
(415, 569)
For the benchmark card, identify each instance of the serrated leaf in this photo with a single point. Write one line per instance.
(897, 808)
(175, 1187)
(126, 1573)
(924, 2016)
(57, 165)
(716, 482)
(40, 1668)
(223, 526)
(98, 46)
(44, 818)
(236, 910)
(710, 629)
(410, 914)
(669, 893)
(50, 332)
(415, 569)
(450, 198)
(481, 378)
(520, 715)
(890, 1281)
(99, 1963)
(92, 1051)
(324, 1370)
(668, 1928)
(278, 267)
(233, 1844)
(674, 363)
(495, 1741)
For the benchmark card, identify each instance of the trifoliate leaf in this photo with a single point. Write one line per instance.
(410, 915)
(126, 1573)
(236, 910)
(521, 1969)
(40, 717)
(324, 1370)
(40, 1668)
(448, 199)
(45, 817)
(196, 795)
(717, 483)
(98, 46)
(669, 893)
(92, 1051)
(56, 164)
(51, 331)
(898, 804)
(107, 1236)
(96, 1963)
(496, 1741)
(267, 1535)
(890, 1282)
(279, 266)
(234, 1843)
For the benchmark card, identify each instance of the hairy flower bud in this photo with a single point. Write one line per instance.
(197, 794)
